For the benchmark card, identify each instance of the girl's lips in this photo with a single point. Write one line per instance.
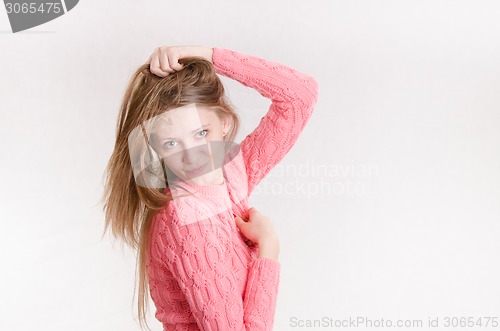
(197, 171)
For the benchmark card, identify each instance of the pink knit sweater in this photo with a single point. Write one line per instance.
(202, 275)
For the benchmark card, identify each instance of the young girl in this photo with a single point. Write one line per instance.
(177, 186)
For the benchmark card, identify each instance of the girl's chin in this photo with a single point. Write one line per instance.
(210, 178)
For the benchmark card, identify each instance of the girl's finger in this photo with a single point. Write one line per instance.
(164, 66)
(173, 61)
(154, 66)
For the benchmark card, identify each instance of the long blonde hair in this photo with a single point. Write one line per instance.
(129, 208)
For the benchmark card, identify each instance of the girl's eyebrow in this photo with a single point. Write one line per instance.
(203, 126)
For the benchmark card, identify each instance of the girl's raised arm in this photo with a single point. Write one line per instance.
(293, 95)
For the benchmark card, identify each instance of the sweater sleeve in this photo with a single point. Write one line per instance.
(293, 95)
(199, 257)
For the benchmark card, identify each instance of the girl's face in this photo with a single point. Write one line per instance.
(182, 138)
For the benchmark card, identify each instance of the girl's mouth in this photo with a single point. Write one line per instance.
(196, 171)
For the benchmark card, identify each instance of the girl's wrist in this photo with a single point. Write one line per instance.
(210, 54)
(199, 51)
(206, 53)
(269, 248)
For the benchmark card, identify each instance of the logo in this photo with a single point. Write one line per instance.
(25, 14)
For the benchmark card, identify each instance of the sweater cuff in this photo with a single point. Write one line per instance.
(217, 54)
(265, 272)
(224, 60)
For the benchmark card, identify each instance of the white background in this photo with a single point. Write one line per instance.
(408, 89)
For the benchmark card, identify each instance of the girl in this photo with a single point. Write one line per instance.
(177, 186)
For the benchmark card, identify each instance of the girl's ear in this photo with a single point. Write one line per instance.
(226, 124)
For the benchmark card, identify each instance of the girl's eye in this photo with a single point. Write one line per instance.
(169, 144)
(205, 133)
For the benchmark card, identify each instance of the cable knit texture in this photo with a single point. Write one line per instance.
(202, 275)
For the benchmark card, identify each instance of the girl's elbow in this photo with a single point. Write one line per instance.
(310, 93)
(314, 89)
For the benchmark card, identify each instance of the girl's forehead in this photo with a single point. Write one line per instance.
(180, 115)
(189, 117)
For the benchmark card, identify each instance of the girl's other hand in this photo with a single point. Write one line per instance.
(165, 59)
(260, 231)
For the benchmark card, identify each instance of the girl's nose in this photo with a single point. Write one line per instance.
(194, 154)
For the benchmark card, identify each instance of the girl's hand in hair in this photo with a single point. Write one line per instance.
(259, 231)
(165, 59)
